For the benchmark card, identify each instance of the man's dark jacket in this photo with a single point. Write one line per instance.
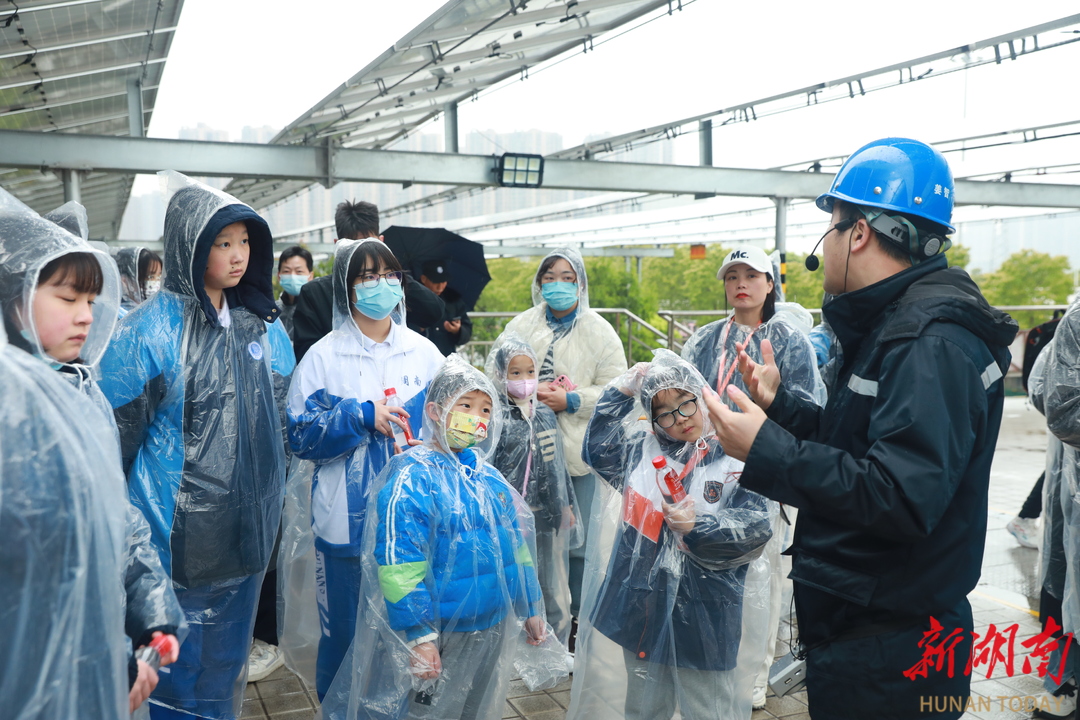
(891, 476)
(314, 316)
(455, 308)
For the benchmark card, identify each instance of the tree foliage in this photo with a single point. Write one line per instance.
(1028, 277)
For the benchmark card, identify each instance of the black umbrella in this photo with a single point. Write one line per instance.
(464, 258)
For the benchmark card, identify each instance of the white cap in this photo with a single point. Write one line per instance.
(747, 255)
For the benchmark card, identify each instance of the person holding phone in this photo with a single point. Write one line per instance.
(456, 328)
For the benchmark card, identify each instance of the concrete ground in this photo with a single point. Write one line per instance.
(1007, 593)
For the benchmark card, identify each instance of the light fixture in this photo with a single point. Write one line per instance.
(514, 170)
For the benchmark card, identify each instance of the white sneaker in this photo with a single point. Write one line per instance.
(569, 662)
(1060, 706)
(263, 660)
(1025, 530)
(758, 701)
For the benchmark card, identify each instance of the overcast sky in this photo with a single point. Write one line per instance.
(260, 63)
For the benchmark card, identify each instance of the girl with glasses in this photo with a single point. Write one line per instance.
(340, 421)
(679, 590)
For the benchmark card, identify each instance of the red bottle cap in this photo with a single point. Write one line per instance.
(163, 644)
(659, 461)
(389, 391)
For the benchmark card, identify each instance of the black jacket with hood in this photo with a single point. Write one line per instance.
(891, 476)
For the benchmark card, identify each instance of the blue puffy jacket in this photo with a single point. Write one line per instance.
(449, 546)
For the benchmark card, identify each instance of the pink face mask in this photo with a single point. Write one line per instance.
(521, 388)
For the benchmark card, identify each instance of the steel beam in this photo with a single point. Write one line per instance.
(72, 181)
(59, 151)
(135, 108)
(451, 127)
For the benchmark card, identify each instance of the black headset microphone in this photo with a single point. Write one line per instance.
(811, 262)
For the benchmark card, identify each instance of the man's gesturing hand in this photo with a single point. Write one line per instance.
(735, 430)
(761, 380)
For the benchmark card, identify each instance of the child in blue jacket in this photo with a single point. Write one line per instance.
(451, 570)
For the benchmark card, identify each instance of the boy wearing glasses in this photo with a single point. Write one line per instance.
(339, 420)
(681, 575)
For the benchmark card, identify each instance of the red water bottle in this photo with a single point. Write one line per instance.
(151, 654)
(401, 437)
(668, 481)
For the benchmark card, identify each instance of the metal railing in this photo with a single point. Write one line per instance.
(640, 332)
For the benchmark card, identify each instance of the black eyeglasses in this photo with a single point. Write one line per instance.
(688, 408)
(371, 279)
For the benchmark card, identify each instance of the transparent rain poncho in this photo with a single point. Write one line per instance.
(530, 457)
(1052, 561)
(149, 599)
(201, 441)
(337, 455)
(584, 347)
(674, 613)
(447, 564)
(64, 653)
(127, 260)
(1061, 393)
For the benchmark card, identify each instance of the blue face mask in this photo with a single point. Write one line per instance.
(379, 301)
(291, 284)
(559, 295)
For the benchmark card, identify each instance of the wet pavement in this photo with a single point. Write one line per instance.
(1007, 594)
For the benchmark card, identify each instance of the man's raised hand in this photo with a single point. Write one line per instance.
(761, 380)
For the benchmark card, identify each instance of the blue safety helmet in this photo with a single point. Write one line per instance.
(899, 175)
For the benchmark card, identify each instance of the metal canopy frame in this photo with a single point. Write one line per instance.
(1016, 44)
(126, 155)
(464, 47)
(67, 67)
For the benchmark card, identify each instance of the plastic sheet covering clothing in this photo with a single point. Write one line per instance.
(127, 260)
(712, 350)
(201, 442)
(447, 568)
(530, 457)
(61, 551)
(331, 427)
(149, 599)
(1062, 409)
(1052, 561)
(676, 595)
(582, 346)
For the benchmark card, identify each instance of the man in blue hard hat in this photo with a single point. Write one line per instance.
(891, 476)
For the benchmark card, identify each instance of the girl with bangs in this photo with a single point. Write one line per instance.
(340, 421)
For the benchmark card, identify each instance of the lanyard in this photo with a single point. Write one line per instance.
(722, 378)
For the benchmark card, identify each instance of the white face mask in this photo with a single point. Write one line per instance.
(152, 288)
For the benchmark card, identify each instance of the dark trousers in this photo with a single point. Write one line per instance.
(864, 678)
(209, 678)
(1033, 505)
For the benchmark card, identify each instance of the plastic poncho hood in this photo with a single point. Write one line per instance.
(127, 260)
(574, 258)
(72, 217)
(29, 242)
(457, 378)
(343, 306)
(195, 216)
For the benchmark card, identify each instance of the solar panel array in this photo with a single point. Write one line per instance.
(65, 67)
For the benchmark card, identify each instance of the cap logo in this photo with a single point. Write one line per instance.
(439, 269)
(739, 255)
